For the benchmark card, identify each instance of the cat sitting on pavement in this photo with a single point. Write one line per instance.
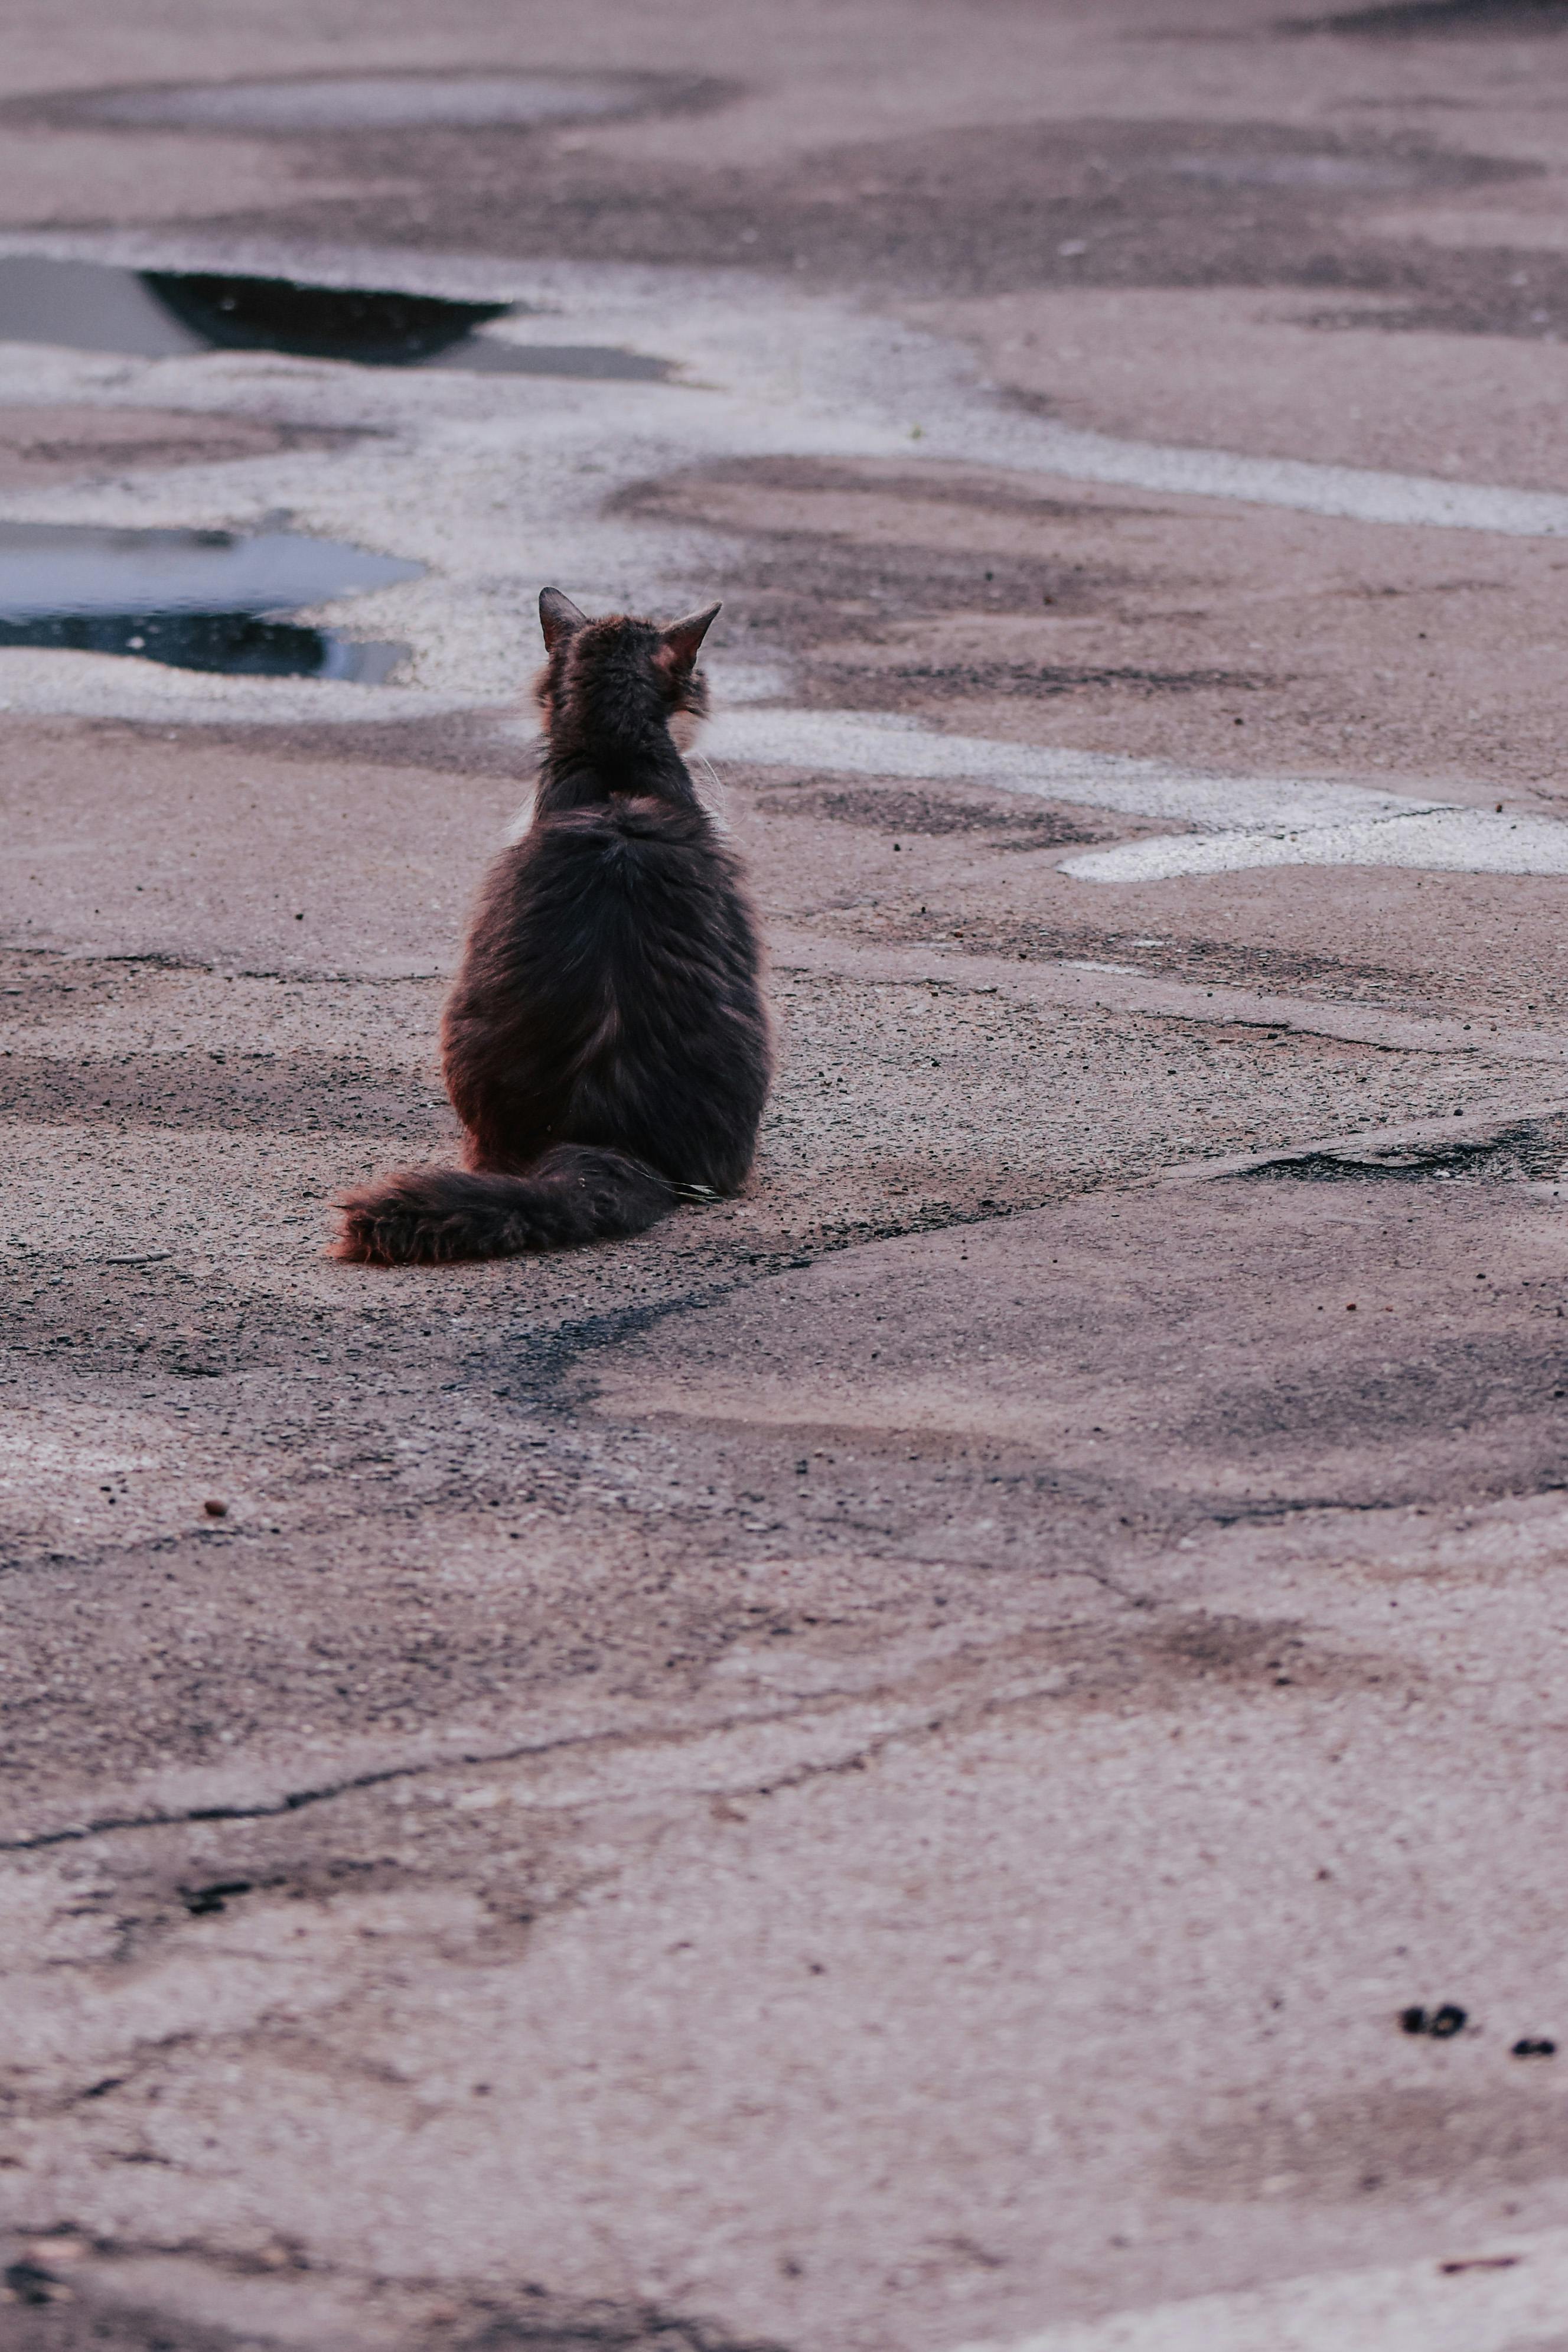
(605, 1043)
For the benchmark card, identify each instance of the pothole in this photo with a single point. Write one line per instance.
(1527, 1151)
(208, 600)
(167, 314)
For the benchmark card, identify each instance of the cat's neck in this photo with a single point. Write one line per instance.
(586, 759)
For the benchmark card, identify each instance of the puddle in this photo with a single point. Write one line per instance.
(166, 314)
(374, 102)
(1531, 1151)
(206, 600)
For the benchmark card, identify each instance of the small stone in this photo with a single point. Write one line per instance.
(215, 1509)
(1442, 2024)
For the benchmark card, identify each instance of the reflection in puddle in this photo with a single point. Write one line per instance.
(327, 322)
(165, 314)
(235, 643)
(192, 599)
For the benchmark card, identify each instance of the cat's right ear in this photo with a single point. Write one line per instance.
(559, 618)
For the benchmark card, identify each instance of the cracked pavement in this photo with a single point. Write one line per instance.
(871, 1770)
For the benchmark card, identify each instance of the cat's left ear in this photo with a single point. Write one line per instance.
(559, 617)
(683, 639)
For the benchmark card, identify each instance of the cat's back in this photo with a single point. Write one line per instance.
(619, 882)
(632, 863)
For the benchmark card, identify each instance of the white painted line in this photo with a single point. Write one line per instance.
(1454, 841)
(871, 743)
(1410, 2307)
(1352, 493)
(1242, 821)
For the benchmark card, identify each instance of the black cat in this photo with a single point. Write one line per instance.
(605, 1043)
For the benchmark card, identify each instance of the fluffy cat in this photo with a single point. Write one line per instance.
(605, 1043)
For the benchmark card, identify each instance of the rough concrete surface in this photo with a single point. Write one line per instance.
(876, 1770)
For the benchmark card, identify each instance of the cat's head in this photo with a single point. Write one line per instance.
(618, 663)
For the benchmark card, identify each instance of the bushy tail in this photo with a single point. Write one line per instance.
(573, 1193)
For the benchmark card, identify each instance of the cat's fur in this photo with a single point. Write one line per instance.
(605, 1043)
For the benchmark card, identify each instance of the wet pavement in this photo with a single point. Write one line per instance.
(881, 1766)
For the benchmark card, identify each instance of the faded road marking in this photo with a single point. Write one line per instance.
(1455, 841)
(1351, 493)
(871, 743)
(1240, 821)
(1476, 2306)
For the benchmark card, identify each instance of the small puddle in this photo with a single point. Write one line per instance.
(207, 599)
(165, 314)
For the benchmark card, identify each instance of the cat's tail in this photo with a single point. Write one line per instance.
(573, 1193)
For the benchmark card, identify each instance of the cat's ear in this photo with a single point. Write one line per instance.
(683, 639)
(559, 618)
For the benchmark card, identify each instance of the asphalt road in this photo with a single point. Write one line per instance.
(690, 1797)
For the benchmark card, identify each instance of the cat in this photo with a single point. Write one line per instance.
(605, 1043)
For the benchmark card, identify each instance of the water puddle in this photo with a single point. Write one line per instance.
(205, 600)
(166, 314)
